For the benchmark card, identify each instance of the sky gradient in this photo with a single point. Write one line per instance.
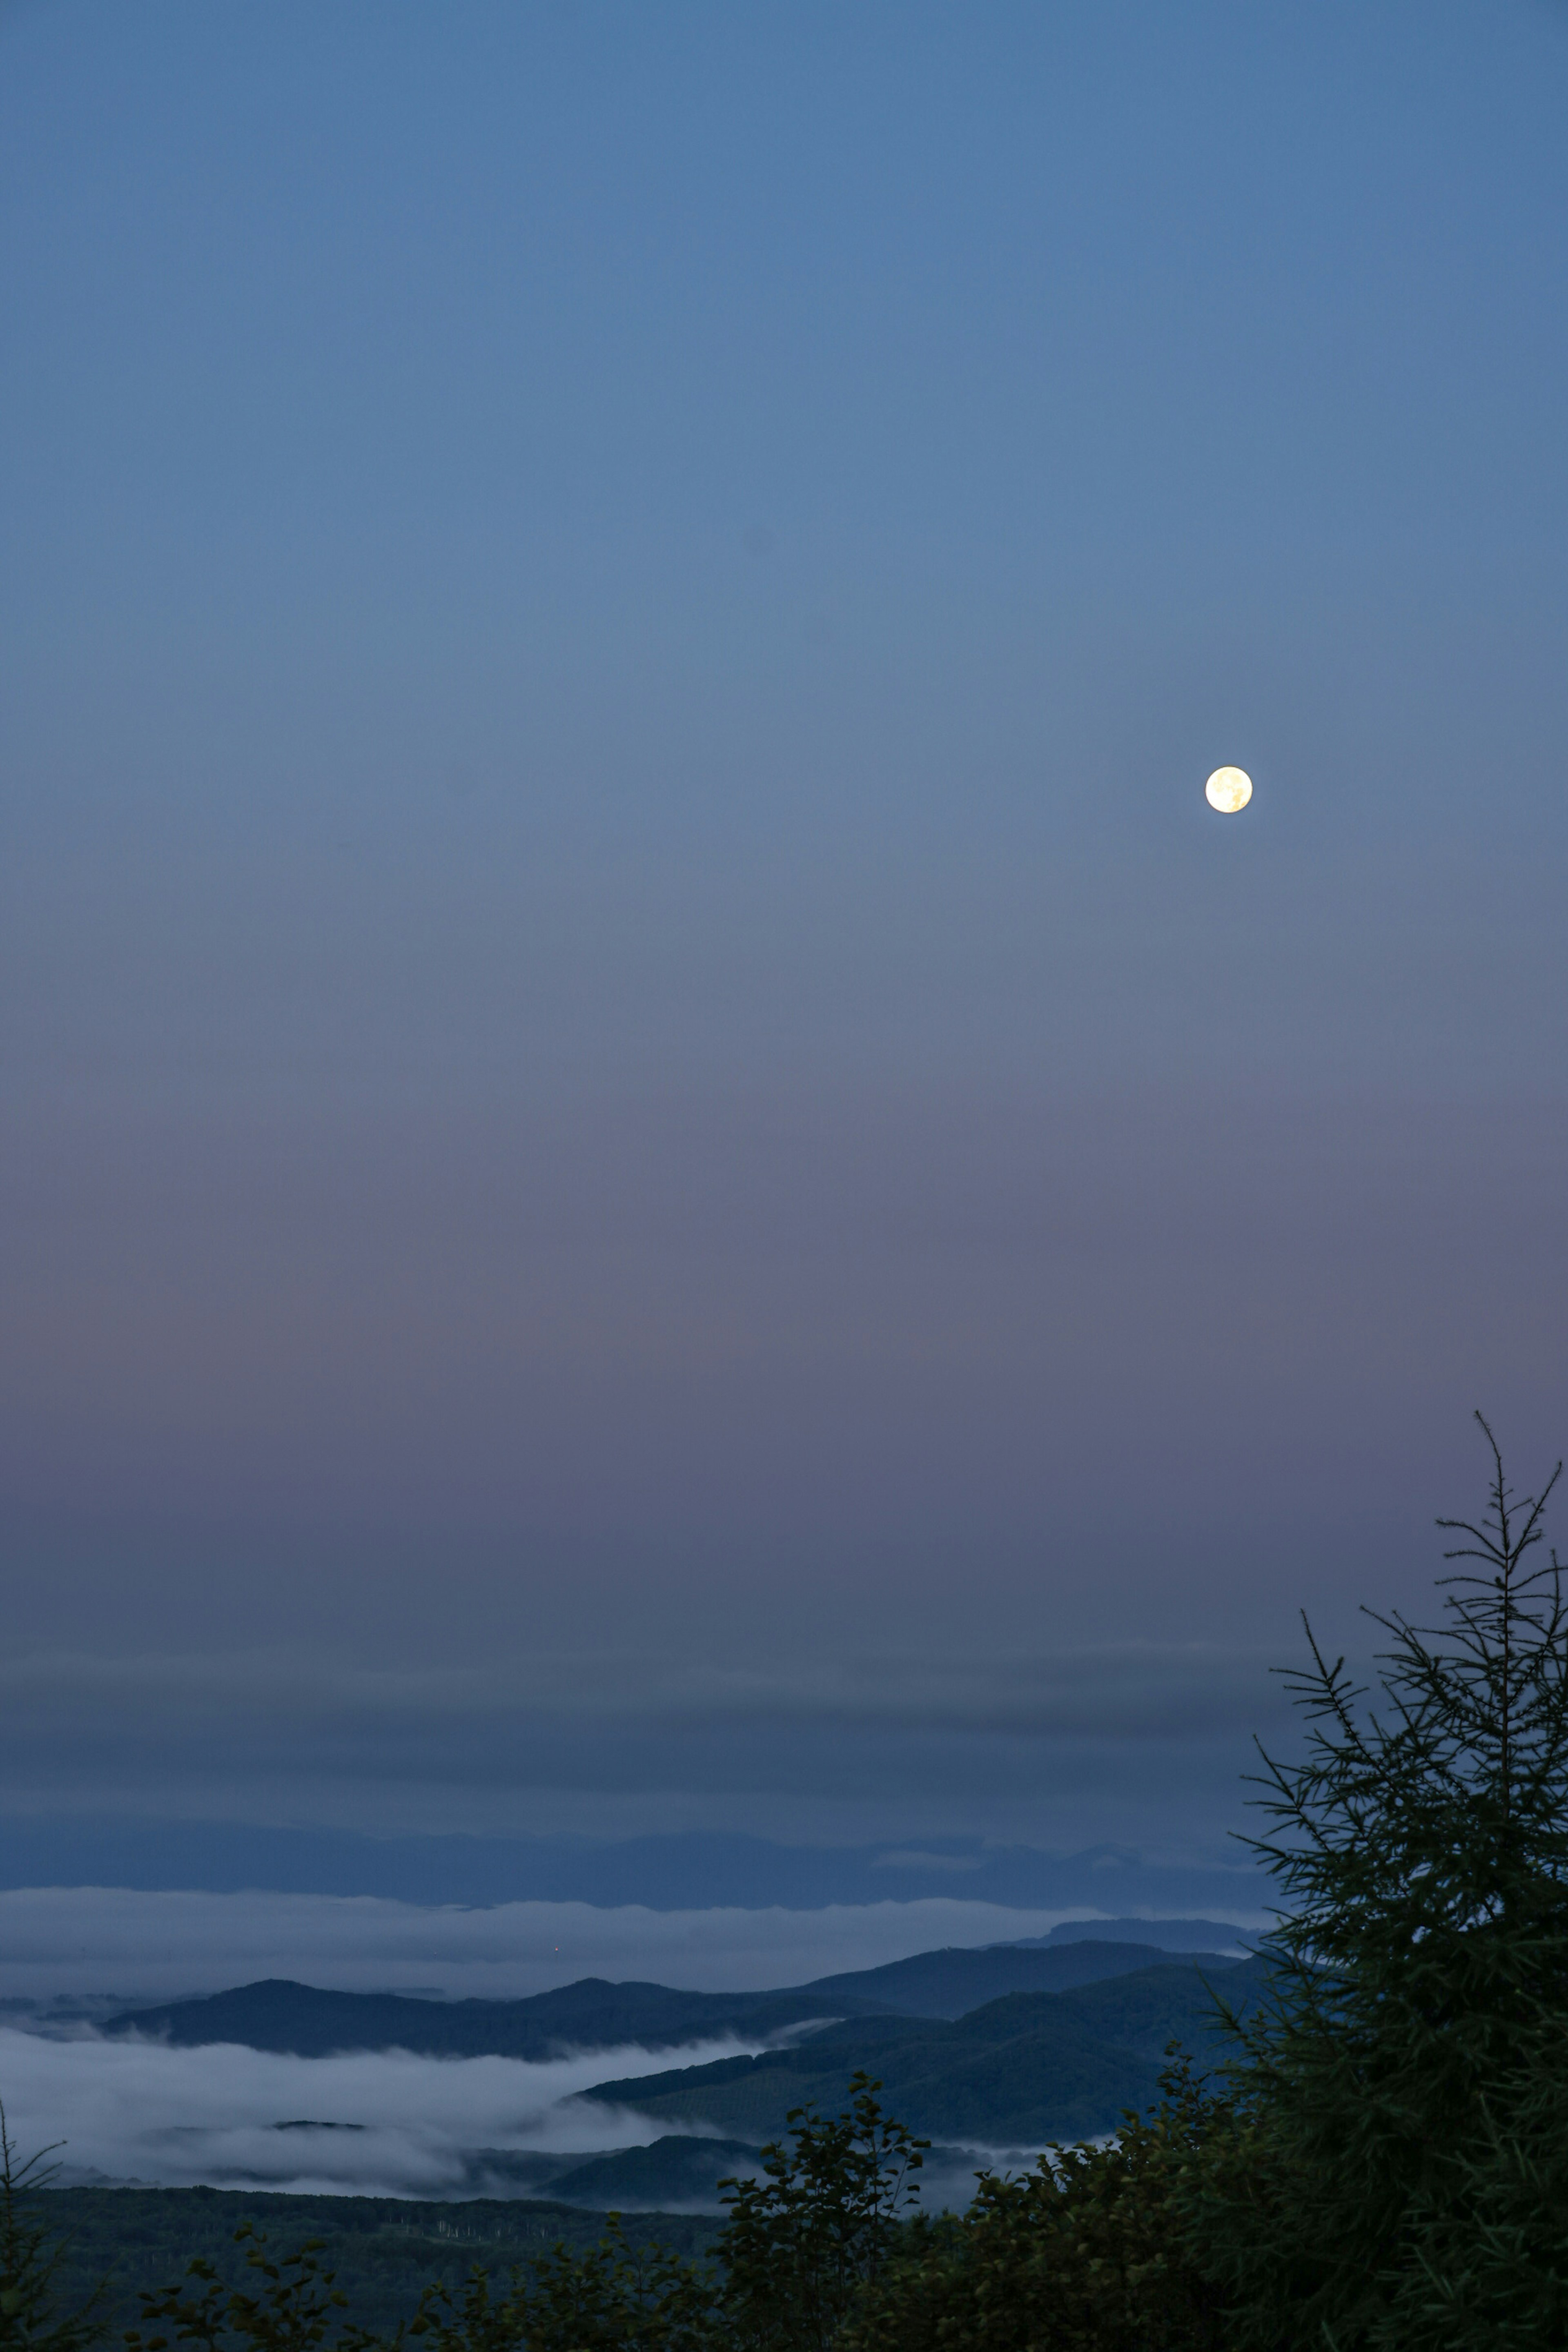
(659, 1174)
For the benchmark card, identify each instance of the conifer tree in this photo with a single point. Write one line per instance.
(30, 2259)
(1398, 2175)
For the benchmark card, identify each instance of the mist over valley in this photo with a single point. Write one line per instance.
(595, 2093)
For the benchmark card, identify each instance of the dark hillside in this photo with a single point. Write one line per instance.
(1018, 2072)
(1146, 2010)
(679, 2171)
(383, 2248)
(951, 1982)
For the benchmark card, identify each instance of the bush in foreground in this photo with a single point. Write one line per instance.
(1085, 2253)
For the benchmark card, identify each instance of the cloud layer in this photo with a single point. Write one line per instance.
(1137, 1743)
(382, 2123)
(93, 1941)
(1130, 1690)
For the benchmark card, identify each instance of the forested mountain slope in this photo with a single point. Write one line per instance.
(1016, 2072)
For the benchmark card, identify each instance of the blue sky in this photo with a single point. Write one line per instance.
(660, 1174)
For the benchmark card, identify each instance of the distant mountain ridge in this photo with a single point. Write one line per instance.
(310, 2021)
(313, 2021)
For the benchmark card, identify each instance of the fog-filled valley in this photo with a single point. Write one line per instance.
(384, 2122)
(632, 2095)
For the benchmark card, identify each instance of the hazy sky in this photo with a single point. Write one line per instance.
(657, 1167)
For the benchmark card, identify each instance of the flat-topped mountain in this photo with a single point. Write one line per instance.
(1189, 1937)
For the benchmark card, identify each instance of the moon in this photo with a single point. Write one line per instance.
(1229, 790)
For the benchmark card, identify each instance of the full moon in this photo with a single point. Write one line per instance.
(1229, 790)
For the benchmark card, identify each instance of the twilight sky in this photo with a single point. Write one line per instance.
(658, 1174)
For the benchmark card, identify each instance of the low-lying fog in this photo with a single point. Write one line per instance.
(366, 2123)
(371, 2123)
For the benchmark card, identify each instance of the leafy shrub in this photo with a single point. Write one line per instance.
(817, 2229)
(1086, 2253)
(292, 2309)
(609, 2299)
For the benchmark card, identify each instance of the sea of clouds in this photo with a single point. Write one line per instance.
(368, 2123)
(385, 2123)
(90, 1941)
(362, 2123)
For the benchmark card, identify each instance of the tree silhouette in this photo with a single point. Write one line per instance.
(1399, 2172)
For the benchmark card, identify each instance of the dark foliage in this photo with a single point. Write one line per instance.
(819, 2226)
(612, 2298)
(289, 2305)
(1086, 2253)
(384, 2251)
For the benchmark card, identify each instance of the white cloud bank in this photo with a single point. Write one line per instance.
(93, 1941)
(415, 2126)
